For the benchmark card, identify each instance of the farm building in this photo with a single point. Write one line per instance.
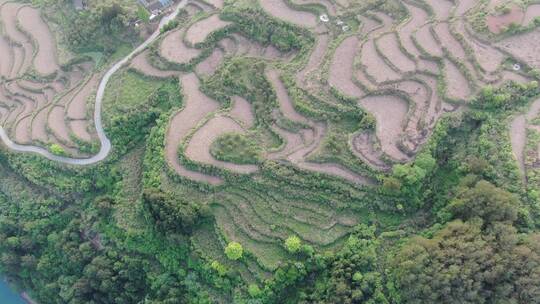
(156, 6)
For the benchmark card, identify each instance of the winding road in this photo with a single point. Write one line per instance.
(105, 142)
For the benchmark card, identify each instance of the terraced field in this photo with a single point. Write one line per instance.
(362, 92)
(42, 103)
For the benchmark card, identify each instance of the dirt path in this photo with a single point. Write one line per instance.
(197, 106)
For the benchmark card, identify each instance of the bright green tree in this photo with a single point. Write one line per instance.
(293, 244)
(234, 251)
(57, 149)
(219, 268)
(254, 290)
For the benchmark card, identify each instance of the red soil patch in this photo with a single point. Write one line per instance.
(285, 103)
(80, 129)
(242, 111)
(457, 86)
(18, 61)
(428, 66)
(435, 102)
(199, 31)
(174, 49)
(57, 124)
(141, 64)
(8, 16)
(367, 24)
(22, 131)
(389, 47)
(464, 6)
(6, 60)
(198, 148)
(45, 59)
(496, 24)
(375, 65)
(78, 105)
(449, 41)
(487, 56)
(363, 146)
(390, 113)
(292, 142)
(511, 76)
(30, 85)
(441, 8)
(298, 157)
(425, 38)
(39, 126)
(362, 78)
(418, 17)
(315, 58)
(342, 68)
(518, 139)
(209, 66)
(16, 109)
(197, 106)
(280, 10)
(420, 95)
(4, 113)
(532, 12)
(524, 47)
